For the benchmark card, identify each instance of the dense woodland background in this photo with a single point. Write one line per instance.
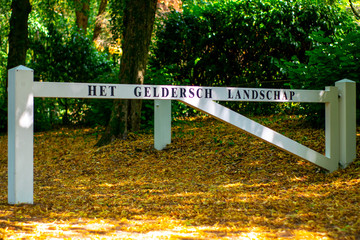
(275, 43)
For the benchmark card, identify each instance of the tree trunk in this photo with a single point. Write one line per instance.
(82, 9)
(18, 35)
(99, 19)
(139, 17)
(18, 38)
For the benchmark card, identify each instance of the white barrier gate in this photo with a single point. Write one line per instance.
(340, 125)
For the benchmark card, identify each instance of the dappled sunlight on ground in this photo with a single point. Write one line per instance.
(145, 229)
(212, 182)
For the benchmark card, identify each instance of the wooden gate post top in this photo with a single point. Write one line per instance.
(21, 67)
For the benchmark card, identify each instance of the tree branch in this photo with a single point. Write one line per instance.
(356, 13)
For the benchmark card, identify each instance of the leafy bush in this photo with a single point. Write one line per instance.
(5, 11)
(235, 43)
(72, 58)
(329, 61)
(238, 43)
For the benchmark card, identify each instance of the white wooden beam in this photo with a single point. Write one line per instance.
(20, 135)
(152, 92)
(233, 118)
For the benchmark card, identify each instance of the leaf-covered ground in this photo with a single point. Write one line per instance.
(212, 182)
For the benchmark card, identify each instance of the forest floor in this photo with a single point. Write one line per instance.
(212, 182)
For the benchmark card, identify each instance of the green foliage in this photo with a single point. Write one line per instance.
(56, 57)
(59, 58)
(5, 12)
(58, 53)
(329, 61)
(213, 43)
(117, 13)
(4, 32)
(237, 43)
(234, 43)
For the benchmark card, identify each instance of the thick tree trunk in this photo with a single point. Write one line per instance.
(99, 22)
(82, 10)
(139, 17)
(18, 35)
(18, 38)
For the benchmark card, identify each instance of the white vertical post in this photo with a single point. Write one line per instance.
(332, 135)
(162, 123)
(347, 111)
(20, 135)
